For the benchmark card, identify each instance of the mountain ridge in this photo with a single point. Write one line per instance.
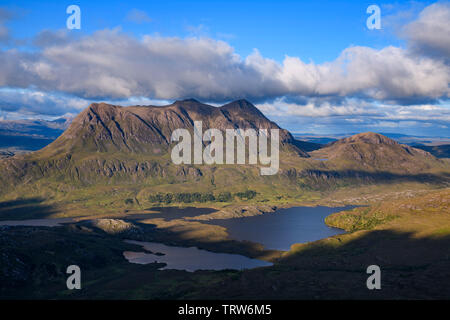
(373, 151)
(147, 129)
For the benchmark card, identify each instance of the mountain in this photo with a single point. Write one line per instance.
(375, 152)
(125, 152)
(400, 138)
(113, 145)
(147, 129)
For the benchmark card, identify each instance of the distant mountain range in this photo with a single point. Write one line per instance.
(30, 135)
(337, 136)
(440, 151)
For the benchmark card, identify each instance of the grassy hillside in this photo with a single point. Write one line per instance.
(87, 184)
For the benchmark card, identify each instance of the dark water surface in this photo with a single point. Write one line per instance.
(281, 229)
(49, 222)
(278, 230)
(190, 259)
(167, 213)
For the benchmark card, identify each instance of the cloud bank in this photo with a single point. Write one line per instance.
(110, 64)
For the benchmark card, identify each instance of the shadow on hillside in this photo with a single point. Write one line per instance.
(24, 142)
(411, 268)
(374, 177)
(31, 208)
(171, 213)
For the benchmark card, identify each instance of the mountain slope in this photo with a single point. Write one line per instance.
(374, 152)
(111, 145)
(123, 153)
(147, 129)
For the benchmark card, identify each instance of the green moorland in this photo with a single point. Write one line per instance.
(89, 186)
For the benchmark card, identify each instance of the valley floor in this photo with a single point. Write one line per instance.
(407, 236)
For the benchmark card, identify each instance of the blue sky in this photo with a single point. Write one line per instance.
(304, 55)
(316, 30)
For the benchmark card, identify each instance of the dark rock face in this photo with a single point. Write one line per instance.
(6, 154)
(147, 129)
(189, 172)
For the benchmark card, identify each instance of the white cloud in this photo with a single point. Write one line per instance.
(355, 115)
(430, 33)
(113, 65)
(33, 102)
(319, 108)
(354, 108)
